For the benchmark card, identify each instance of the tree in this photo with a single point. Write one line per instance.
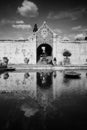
(35, 28)
(86, 38)
(66, 53)
(5, 61)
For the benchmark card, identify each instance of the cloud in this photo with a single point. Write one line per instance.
(84, 30)
(72, 14)
(57, 31)
(28, 9)
(77, 27)
(21, 38)
(20, 22)
(6, 21)
(65, 38)
(72, 35)
(22, 26)
(80, 36)
(80, 28)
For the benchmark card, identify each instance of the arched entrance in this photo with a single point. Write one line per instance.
(44, 54)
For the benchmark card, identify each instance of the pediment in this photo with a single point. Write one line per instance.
(44, 35)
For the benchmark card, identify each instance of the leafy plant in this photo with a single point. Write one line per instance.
(26, 60)
(5, 60)
(66, 53)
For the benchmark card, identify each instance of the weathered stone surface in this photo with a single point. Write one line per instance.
(17, 51)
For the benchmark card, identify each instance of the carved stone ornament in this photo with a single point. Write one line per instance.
(44, 32)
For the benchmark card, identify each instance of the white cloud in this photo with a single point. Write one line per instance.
(77, 27)
(21, 38)
(20, 22)
(57, 31)
(65, 38)
(22, 26)
(72, 14)
(72, 36)
(28, 9)
(7, 21)
(80, 36)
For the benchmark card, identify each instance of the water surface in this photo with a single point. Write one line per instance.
(42, 100)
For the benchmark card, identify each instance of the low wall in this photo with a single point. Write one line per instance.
(17, 51)
(78, 52)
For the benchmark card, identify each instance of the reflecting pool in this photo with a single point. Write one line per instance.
(42, 100)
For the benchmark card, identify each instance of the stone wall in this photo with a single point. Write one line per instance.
(77, 49)
(17, 51)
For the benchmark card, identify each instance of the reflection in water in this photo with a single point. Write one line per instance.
(54, 74)
(29, 110)
(66, 81)
(44, 89)
(6, 76)
(26, 75)
(44, 79)
(38, 98)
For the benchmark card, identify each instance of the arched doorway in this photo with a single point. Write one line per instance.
(44, 54)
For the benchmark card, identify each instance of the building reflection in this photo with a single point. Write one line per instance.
(45, 89)
(6, 75)
(54, 74)
(19, 82)
(38, 89)
(26, 75)
(44, 95)
(66, 81)
(44, 79)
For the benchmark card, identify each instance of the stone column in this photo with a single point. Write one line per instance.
(34, 48)
(54, 46)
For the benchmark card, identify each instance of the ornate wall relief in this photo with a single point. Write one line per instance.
(44, 35)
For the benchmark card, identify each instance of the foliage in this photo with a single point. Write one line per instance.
(35, 28)
(54, 58)
(66, 53)
(26, 60)
(86, 38)
(5, 60)
(26, 75)
(6, 76)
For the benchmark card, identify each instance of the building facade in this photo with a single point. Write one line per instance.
(43, 47)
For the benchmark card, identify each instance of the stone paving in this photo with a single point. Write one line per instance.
(46, 67)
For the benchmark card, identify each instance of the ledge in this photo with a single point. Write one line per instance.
(22, 67)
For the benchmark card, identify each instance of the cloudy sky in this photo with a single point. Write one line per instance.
(65, 17)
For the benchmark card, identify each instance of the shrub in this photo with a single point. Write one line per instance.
(5, 61)
(26, 60)
(66, 53)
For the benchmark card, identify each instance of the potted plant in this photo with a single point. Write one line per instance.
(67, 54)
(5, 61)
(26, 60)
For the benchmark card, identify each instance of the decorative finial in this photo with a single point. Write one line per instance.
(44, 22)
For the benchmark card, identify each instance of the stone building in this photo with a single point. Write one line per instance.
(42, 48)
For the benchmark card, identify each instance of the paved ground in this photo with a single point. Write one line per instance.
(46, 67)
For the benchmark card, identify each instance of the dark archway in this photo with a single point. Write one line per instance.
(44, 52)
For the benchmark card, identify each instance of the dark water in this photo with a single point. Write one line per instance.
(43, 101)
